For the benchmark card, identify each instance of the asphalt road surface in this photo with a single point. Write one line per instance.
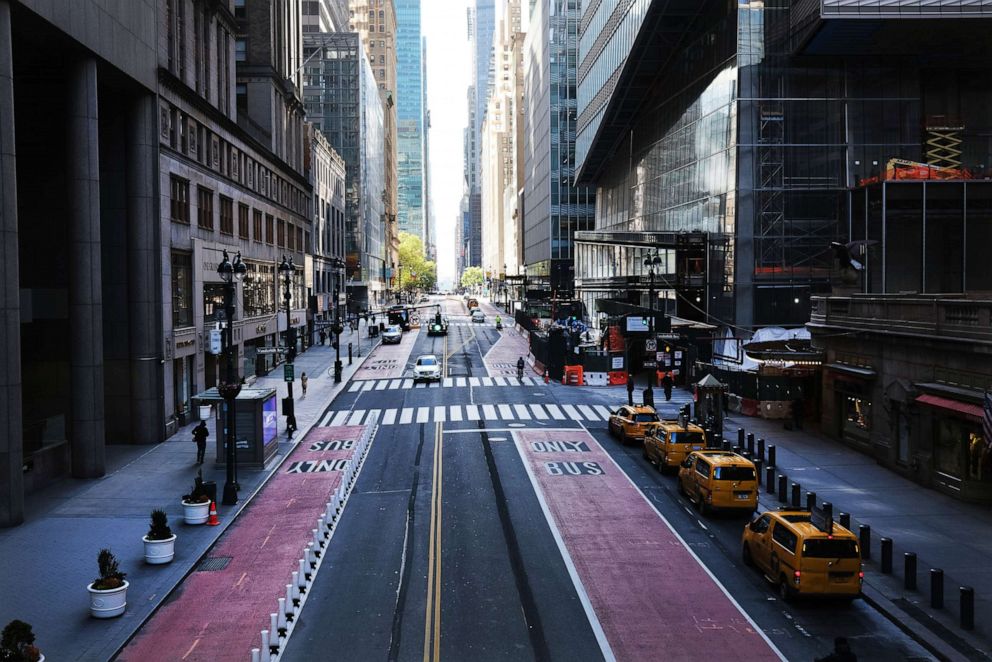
(460, 542)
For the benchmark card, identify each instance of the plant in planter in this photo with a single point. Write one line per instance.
(17, 644)
(196, 504)
(160, 541)
(108, 592)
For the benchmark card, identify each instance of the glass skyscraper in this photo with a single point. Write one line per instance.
(411, 211)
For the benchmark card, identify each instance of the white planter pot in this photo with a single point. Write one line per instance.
(159, 551)
(109, 603)
(196, 513)
(204, 412)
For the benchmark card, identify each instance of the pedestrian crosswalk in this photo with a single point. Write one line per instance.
(457, 413)
(447, 382)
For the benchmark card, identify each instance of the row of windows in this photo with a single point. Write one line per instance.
(211, 43)
(189, 137)
(284, 234)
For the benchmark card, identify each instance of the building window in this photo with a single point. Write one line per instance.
(259, 290)
(290, 237)
(268, 229)
(240, 49)
(281, 234)
(300, 246)
(243, 221)
(257, 223)
(239, 8)
(182, 289)
(857, 417)
(241, 105)
(213, 302)
(180, 199)
(226, 215)
(205, 208)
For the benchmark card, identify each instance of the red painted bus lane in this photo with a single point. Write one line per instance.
(218, 614)
(649, 594)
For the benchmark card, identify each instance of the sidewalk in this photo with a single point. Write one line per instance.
(50, 559)
(944, 532)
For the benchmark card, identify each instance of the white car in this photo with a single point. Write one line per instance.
(427, 368)
(392, 335)
(478, 315)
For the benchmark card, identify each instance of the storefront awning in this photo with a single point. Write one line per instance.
(968, 409)
(853, 371)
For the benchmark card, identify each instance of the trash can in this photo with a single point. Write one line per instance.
(205, 412)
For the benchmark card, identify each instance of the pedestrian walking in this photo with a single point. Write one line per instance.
(200, 434)
(303, 383)
(666, 384)
(323, 337)
(797, 413)
(630, 389)
(649, 396)
(842, 652)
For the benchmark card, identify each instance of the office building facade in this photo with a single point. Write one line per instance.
(411, 93)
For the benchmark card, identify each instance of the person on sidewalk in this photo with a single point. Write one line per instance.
(797, 413)
(649, 396)
(303, 382)
(323, 337)
(666, 383)
(630, 389)
(200, 434)
(842, 652)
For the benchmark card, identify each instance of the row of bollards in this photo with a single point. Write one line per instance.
(792, 494)
(273, 640)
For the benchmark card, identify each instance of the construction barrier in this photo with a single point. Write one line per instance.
(617, 377)
(597, 379)
(573, 375)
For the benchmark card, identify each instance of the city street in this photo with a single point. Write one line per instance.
(459, 543)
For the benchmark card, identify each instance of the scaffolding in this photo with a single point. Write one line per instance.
(943, 137)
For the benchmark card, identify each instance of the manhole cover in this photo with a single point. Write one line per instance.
(213, 564)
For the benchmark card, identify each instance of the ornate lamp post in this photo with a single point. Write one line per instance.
(337, 328)
(229, 390)
(651, 260)
(288, 271)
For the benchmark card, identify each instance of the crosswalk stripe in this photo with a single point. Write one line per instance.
(367, 386)
(505, 413)
(539, 412)
(355, 387)
(499, 381)
(460, 381)
(325, 419)
(489, 413)
(472, 411)
(389, 417)
(406, 415)
(456, 413)
(381, 385)
(473, 381)
(439, 414)
(420, 385)
(522, 412)
(572, 413)
(487, 381)
(394, 384)
(340, 418)
(423, 414)
(356, 417)
(448, 381)
(373, 416)
(435, 384)
(555, 412)
(407, 383)
(588, 412)
(529, 381)
(603, 411)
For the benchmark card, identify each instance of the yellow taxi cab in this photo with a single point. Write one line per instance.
(667, 445)
(633, 422)
(719, 480)
(804, 554)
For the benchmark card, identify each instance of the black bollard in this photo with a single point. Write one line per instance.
(936, 588)
(349, 353)
(845, 520)
(740, 436)
(750, 445)
(783, 486)
(828, 510)
(771, 455)
(746, 454)
(810, 501)
(864, 533)
(886, 556)
(909, 571)
(761, 448)
(796, 495)
(757, 469)
(738, 450)
(967, 607)
(770, 480)
(726, 445)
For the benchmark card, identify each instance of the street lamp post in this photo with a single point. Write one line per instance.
(339, 266)
(651, 261)
(229, 390)
(288, 271)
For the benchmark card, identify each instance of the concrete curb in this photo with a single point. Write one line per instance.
(233, 517)
(924, 637)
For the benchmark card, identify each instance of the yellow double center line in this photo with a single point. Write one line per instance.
(432, 620)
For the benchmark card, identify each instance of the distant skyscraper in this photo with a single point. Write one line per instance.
(410, 213)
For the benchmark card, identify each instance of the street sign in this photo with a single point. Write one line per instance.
(650, 364)
(215, 345)
(288, 373)
(270, 350)
(617, 363)
(650, 345)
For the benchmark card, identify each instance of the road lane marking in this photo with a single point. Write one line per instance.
(407, 383)
(406, 416)
(456, 413)
(356, 417)
(389, 417)
(460, 381)
(539, 412)
(340, 418)
(472, 411)
(432, 616)
(395, 383)
(572, 413)
(420, 385)
(423, 414)
(489, 412)
(500, 381)
(367, 386)
(603, 411)
(439, 414)
(448, 381)
(355, 387)
(487, 381)
(588, 412)
(522, 412)
(381, 385)
(473, 381)
(325, 420)
(505, 413)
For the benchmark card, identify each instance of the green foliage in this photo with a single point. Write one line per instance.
(473, 276)
(110, 574)
(17, 643)
(159, 529)
(199, 493)
(414, 271)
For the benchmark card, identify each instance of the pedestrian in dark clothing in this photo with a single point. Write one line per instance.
(666, 383)
(303, 382)
(630, 389)
(649, 396)
(323, 337)
(842, 652)
(200, 434)
(797, 413)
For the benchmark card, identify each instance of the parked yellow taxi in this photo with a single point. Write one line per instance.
(802, 558)
(667, 445)
(632, 423)
(719, 480)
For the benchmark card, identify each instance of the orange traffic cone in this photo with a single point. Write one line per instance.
(214, 520)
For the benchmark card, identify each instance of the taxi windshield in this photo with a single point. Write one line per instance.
(687, 437)
(826, 548)
(734, 473)
(645, 418)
